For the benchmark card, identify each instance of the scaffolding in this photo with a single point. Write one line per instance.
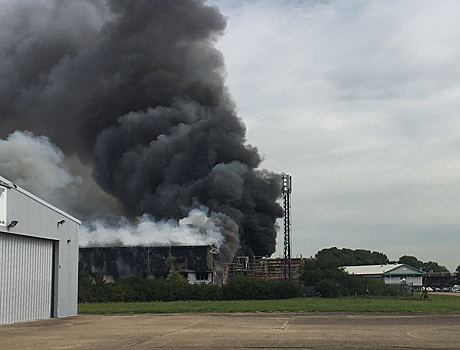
(271, 269)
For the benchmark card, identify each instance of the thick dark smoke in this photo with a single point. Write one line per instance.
(136, 90)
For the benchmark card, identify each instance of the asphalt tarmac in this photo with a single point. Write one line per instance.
(237, 331)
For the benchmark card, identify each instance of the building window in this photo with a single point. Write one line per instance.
(201, 276)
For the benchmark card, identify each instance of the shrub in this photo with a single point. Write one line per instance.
(328, 289)
(204, 291)
(176, 287)
(93, 289)
(285, 290)
(244, 288)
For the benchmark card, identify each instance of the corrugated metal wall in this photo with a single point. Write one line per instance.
(26, 278)
(38, 220)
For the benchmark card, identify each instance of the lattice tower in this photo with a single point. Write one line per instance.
(287, 189)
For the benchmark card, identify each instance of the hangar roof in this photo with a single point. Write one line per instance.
(6, 183)
(382, 269)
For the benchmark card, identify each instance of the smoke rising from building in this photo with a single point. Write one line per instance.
(35, 163)
(38, 164)
(135, 91)
(198, 228)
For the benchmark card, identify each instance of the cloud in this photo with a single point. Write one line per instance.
(358, 100)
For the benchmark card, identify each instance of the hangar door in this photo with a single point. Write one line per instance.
(26, 278)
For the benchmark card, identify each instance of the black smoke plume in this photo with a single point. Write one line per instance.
(135, 90)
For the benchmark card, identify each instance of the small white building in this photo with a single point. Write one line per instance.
(38, 257)
(390, 274)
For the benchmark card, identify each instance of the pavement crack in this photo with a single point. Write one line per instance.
(159, 336)
(286, 323)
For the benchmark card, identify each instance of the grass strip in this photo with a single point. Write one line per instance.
(435, 303)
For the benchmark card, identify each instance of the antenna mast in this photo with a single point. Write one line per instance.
(287, 189)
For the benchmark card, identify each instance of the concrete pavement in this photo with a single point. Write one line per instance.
(237, 331)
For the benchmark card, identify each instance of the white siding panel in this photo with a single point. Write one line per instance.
(414, 281)
(392, 280)
(26, 277)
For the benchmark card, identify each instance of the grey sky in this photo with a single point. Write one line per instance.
(359, 102)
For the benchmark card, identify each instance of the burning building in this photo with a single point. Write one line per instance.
(196, 263)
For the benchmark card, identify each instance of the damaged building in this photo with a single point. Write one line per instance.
(196, 263)
(270, 269)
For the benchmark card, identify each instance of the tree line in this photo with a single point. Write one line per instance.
(335, 257)
(322, 272)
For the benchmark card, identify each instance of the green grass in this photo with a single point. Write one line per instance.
(436, 303)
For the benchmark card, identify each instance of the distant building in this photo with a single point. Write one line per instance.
(438, 279)
(395, 274)
(196, 263)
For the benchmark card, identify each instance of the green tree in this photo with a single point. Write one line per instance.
(411, 261)
(335, 257)
(429, 266)
(433, 266)
(311, 274)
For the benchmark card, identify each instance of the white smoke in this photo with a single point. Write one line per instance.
(39, 166)
(36, 164)
(196, 229)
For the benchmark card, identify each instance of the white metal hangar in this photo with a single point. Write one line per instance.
(390, 274)
(38, 257)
